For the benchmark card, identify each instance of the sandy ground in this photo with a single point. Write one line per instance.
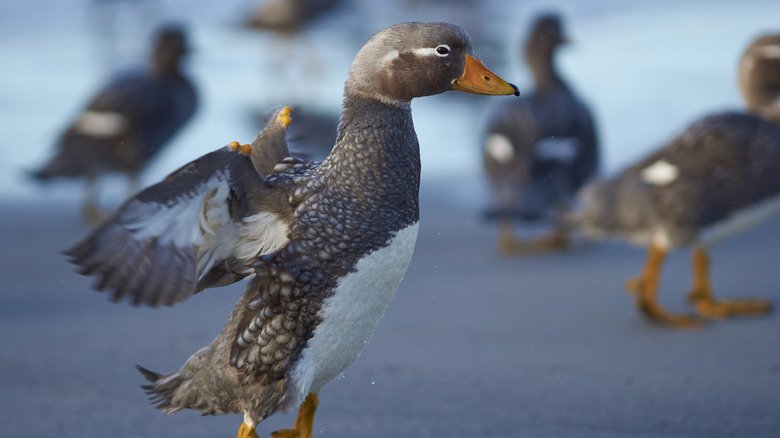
(473, 344)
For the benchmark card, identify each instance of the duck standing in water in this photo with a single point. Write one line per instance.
(325, 244)
(128, 122)
(715, 179)
(539, 150)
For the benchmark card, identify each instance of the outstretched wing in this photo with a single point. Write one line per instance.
(198, 228)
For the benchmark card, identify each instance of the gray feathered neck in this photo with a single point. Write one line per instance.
(376, 149)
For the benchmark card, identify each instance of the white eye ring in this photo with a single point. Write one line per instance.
(442, 50)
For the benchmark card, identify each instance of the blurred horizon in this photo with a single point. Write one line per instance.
(646, 70)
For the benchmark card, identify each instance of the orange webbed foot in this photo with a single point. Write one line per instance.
(247, 432)
(553, 242)
(719, 308)
(644, 289)
(647, 303)
(558, 239)
(304, 423)
(704, 300)
(511, 246)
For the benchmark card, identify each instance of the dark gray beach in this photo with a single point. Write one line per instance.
(473, 344)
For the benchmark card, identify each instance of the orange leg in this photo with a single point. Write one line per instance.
(304, 423)
(703, 299)
(247, 431)
(508, 244)
(558, 239)
(91, 212)
(645, 291)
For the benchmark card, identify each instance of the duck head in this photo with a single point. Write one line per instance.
(170, 46)
(540, 46)
(759, 77)
(546, 35)
(411, 60)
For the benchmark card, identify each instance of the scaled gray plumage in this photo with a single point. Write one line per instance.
(306, 233)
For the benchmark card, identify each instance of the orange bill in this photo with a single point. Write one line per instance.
(479, 80)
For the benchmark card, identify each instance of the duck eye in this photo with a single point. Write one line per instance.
(443, 50)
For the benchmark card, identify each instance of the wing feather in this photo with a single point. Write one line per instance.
(153, 281)
(162, 244)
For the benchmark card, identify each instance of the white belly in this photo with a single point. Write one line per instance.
(351, 315)
(741, 221)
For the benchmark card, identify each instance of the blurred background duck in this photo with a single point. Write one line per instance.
(759, 77)
(539, 150)
(715, 179)
(128, 122)
(289, 16)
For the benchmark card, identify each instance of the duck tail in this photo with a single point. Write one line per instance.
(43, 174)
(58, 167)
(161, 389)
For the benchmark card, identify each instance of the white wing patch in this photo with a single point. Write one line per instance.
(256, 235)
(563, 149)
(214, 213)
(499, 148)
(180, 222)
(101, 124)
(660, 173)
(201, 219)
(262, 233)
